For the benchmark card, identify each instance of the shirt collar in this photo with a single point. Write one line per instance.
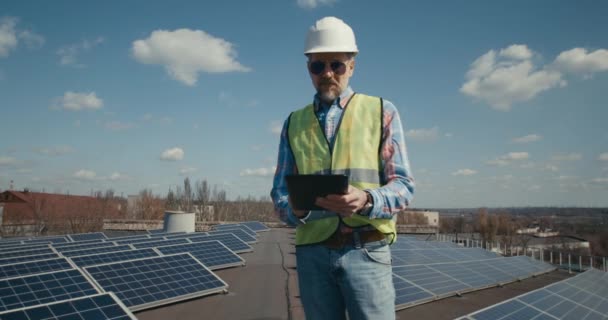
(341, 101)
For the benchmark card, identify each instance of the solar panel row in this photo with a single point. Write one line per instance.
(583, 297)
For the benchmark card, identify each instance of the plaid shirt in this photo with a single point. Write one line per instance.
(397, 184)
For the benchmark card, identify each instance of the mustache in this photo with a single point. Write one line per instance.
(327, 82)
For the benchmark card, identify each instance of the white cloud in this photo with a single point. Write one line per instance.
(508, 77)
(276, 127)
(118, 126)
(567, 157)
(187, 170)
(508, 158)
(430, 134)
(76, 101)
(83, 174)
(184, 53)
(449, 135)
(600, 181)
(258, 172)
(31, 39)
(55, 150)
(550, 167)
(527, 139)
(117, 176)
(579, 61)
(534, 188)
(311, 4)
(603, 156)
(69, 54)
(464, 172)
(173, 154)
(8, 37)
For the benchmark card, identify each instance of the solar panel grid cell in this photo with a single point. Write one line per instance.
(18, 253)
(244, 228)
(23, 247)
(43, 288)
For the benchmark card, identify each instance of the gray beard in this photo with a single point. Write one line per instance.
(328, 96)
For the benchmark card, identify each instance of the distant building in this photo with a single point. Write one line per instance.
(33, 213)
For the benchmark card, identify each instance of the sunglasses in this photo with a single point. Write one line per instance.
(317, 67)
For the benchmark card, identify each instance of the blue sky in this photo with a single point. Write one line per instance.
(504, 104)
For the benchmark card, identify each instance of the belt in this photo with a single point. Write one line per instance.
(340, 239)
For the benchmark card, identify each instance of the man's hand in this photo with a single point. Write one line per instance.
(344, 204)
(298, 213)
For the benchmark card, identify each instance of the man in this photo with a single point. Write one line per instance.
(343, 255)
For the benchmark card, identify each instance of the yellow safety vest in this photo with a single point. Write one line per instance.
(356, 153)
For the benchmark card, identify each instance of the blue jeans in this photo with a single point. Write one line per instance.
(354, 280)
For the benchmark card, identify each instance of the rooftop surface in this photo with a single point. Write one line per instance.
(266, 288)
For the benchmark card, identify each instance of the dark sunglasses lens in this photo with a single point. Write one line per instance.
(338, 67)
(317, 67)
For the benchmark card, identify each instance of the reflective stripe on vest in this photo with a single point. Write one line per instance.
(356, 153)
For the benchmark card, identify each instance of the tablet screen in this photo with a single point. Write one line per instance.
(305, 188)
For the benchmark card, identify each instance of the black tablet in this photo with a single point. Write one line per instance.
(305, 188)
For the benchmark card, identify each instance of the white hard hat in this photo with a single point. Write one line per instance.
(330, 34)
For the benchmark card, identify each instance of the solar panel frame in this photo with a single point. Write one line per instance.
(187, 235)
(111, 257)
(208, 252)
(76, 243)
(47, 240)
(133, 237)
(100, 306)
(184, 264)
(34, 267)
(31, 290)
(22, 247)
(231, 241)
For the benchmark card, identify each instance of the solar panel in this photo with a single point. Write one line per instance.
(47, 240)
(256, 226)
(12, 254)
(101, 306)
(21, 247)
(212, 254)
(407, 293)
(28, 258)
(449, 278)
(103, 258)
(77, 243)
(153, 244)
(164, 234)
(133, 241)
(237, 232)
(582, 297)
(133, 237)
(155, 231)
(43, 288)
(33, 267)
(187, 235)
(75, 246)
(149, 282)
(89, 251)
(404, 257)
(224, 227)
(87, 236)
(231, 241)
